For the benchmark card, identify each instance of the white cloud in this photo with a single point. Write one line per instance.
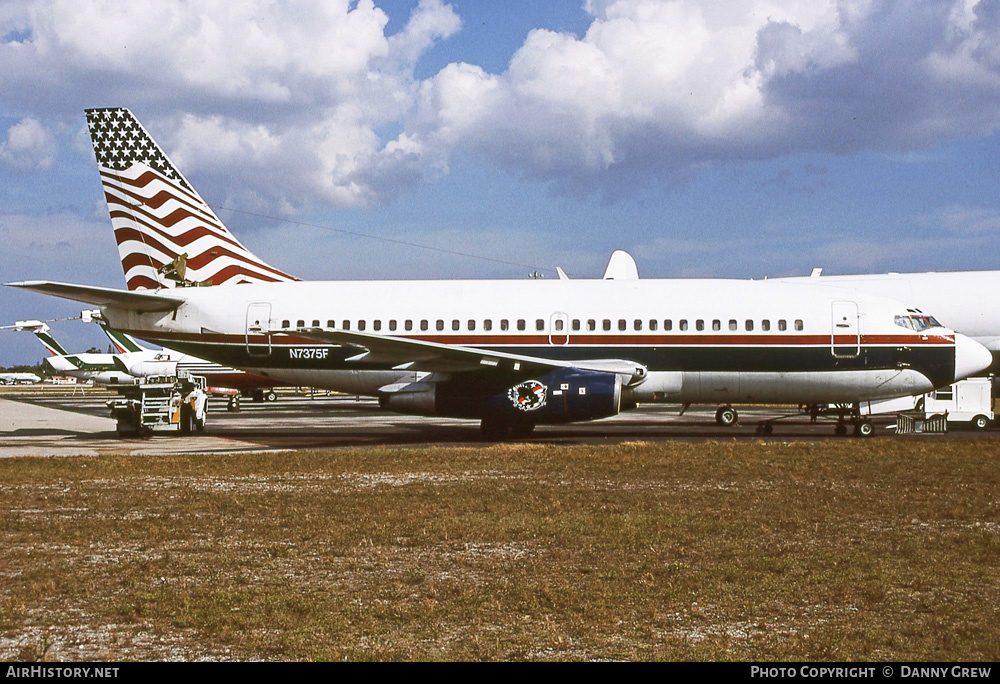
(29, 145)
(658, 88)
(650, 93)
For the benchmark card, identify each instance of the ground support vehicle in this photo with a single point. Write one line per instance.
(161, 404)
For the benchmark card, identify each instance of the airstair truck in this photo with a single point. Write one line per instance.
(161, 404)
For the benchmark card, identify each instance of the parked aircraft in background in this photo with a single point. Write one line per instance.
(18, 378)
(512, 354)
(965, 301)
(135, 361)
(86, 366)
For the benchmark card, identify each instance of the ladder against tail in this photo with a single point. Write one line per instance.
(167, 234)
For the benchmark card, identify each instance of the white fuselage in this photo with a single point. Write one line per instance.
(701, 340)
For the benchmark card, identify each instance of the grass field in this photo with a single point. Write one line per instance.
(882, 549)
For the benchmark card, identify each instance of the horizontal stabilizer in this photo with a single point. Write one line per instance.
(139, 302)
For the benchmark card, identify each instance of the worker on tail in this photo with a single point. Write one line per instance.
(167, 234)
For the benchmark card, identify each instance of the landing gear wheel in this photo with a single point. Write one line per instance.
(493, 429)
(521, 430)
(726, 416)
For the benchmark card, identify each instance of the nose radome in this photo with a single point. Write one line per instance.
(970, 357)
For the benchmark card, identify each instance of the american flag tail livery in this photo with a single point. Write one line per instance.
(167, 234)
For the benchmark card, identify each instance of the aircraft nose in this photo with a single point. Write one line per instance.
(970, 357)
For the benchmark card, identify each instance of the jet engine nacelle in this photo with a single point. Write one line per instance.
(563, 395)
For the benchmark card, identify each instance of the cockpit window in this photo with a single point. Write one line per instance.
(917, 322)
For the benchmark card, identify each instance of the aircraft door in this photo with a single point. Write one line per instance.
(258, 323)
(559, 329)
(845, 335)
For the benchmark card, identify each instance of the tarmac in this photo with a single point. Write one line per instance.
(47, 423)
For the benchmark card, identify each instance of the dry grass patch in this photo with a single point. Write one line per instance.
(883, 549)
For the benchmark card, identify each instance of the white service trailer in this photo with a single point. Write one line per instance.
(968, 402)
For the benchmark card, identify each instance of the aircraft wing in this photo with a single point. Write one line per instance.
(104, 296)
(409, 354)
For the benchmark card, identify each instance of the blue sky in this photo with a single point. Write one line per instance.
(740, 138)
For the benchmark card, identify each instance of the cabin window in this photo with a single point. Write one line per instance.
(558, 324)
(472, 324)
(591, 324)
(683, 324)
(606, 324)
(765, 325)
(733, 325)
(408, 324)
(488, 324)
(455, 325)
(285, 324)
(346, 325)
(315, 324)
(652, 323)
(504, 324)
(539, 324)
(361, 325)
(798, 324)
(300, 323)
(699, 324)
(423, 324)
(576, 324)
(668, 324)
(637, 324)
(376, 325)
(782, 325)
(716, 325)
(621, 324)
(392, 324)
(331, 324)
(439, 324)
(521, 324)
(749, 325)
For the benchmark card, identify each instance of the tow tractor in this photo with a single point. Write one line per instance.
(162, 403)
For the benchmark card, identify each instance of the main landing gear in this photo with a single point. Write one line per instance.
(500, 429)
(846, 416)
(727, 416)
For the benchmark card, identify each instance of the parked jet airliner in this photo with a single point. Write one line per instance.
(512, 354)
(966, 300)
(133, 361)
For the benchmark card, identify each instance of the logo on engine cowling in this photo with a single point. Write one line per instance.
(527, 396)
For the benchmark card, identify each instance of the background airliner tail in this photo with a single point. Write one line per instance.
(167, 234)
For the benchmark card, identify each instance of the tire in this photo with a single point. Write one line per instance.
(493, 429)
(980, 422)
(840, 430)
(726, 416)
(270, 395)
(521, 430)
(187, 420)
(864, 429)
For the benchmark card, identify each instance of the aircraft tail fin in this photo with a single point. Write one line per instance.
(167, 234)
(122, 342)
(43, 333)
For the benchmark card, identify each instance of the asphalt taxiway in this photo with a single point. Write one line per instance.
(51, 424)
